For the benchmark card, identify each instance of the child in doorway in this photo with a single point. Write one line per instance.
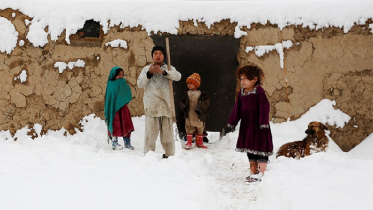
(117, 115)
(194, 104)
(252, 108)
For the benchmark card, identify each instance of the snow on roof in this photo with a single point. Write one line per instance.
(164, 16)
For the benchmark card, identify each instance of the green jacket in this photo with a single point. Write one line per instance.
(118, 93)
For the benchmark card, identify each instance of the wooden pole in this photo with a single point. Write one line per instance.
(171, 89)
(168, 54)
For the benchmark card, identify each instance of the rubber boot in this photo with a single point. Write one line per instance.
(127, 143)
(115, 144)
(188, 145)
(109, 140)
(199, 142)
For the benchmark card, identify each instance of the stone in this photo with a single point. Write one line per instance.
(17, 98)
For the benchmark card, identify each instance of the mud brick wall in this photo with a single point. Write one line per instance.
(321, 64)
(325, 63)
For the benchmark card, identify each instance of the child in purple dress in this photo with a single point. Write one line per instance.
(252, 108)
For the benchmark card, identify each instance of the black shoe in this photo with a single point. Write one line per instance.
(205, 139)
(164, 156)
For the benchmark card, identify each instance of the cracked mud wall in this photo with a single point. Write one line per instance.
(317, 62)
(353, 92)
(57, 100)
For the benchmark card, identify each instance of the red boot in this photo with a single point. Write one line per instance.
(188, 145)
(199, 142)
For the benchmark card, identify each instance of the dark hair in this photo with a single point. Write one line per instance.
(251, 71)
(160, 48)
(117, 72)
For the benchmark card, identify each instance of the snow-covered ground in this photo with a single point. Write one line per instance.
(82, 172)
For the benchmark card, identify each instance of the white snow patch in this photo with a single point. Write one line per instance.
(195, 22)
(62, 65)
(8, 36)
(117, 43)
(22, 76)
(238, 33)
(287, 44)
(21, 42)
(263, 49)
(36, 35)
(364, 149)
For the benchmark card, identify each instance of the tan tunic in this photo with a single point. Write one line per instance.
(192, 123)
(157, 106)
(156, 94)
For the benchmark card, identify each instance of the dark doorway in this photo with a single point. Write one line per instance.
(215, 59)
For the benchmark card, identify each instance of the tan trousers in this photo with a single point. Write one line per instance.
(196, 128)
(162, 125)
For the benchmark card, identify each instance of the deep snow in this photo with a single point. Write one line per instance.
(82, 172)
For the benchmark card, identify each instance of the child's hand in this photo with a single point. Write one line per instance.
(155, 69)
(229, 128)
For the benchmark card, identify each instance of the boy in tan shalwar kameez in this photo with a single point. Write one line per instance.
(154, 78)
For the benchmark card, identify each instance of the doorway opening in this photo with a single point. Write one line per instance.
(214, 58)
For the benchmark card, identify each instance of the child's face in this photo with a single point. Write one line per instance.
(191, 86)
(247, 83)
(158, 56)
(120, 75)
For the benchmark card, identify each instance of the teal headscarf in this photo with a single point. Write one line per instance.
(118, 93)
